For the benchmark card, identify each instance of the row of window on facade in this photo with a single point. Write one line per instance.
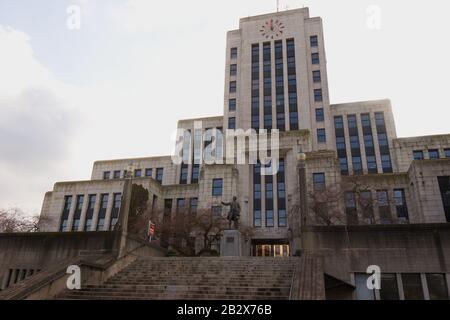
(91, 212)
(138, 173)
(279, 89)
(368, 143)
(432, 154)
(266, 217)
(362, 202)
(404, 286)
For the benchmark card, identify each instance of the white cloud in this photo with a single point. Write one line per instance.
(36, 123)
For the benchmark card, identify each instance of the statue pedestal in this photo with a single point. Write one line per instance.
(231, 244)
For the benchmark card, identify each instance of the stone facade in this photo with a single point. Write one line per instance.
(267, 85)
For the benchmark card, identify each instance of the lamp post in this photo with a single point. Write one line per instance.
(301, 159)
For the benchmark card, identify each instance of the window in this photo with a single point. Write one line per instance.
(320, 115)
(282, 218)
(400, 204)
(315, 58)
(106, 175)
(159, 174)
(181, 202)
(389, 287)
(379, 119)
(65, 213)
(437, 286)
(90, 212)
(318, 95)
(232, 86)
(433, 154)
(257, 218)
(116, 174)
(232, 123)
(102, 212)
(117, 202)
(77, 214)
(384, 208)
(138, 173)
(217, 186)
(319, 181)
(313, 40)
(357, 165)
(195, 173)
(365, 120)
(338, 122)
(233, 53)
(412, 286)
(321, 136)
(386, 163)
(193, 204)
(447, 153)
(233, 69)
(232, 105)
(184, 173)
(372, 164)
(148, 172)
(216, 211)
(316, 76)
(418, 155)
(365, 200)
(350, 208)
(269, 218)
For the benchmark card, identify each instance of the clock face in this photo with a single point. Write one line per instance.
(272, 29)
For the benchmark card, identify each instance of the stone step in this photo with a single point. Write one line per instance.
(172, 295)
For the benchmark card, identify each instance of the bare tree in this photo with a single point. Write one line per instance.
(15, 220)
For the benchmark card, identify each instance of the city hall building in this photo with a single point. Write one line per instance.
(388, 198)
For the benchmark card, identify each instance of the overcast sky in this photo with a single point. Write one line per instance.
(117, 86)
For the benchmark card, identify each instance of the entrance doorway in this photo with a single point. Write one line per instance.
(270, 248)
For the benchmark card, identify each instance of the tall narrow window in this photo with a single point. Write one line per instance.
(383, 143)
(316, 76)
(447, 153)
(320, 115)
(340, 144)
(315, 58)
(65, 214)
(184, 173)
(255, 87)
(106, 175)
(279, 88)
(351, 209)
(159, 174)
(195, 173)
(102, 212)
(412, 286)
(233, 53)
(318, 95)
(354, 144)
(77, 214)
(232, 123)
(292, 84)
(115, 210)
(321, 136)
(193, 204)
(400, 205)
(281, 192)
(232, 86)
(269, 201)
(389, 287)
(217, 187)
(384, 208)
(233, 69)
(257, 222)
(90, 212)
(232, 105)
(267, 78)
(368, 143)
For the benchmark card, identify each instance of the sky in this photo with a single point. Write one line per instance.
(113, 83)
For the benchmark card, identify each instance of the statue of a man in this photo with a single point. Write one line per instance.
(234, 213)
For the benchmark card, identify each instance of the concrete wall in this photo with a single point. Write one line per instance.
(39, 251)
(395, 248)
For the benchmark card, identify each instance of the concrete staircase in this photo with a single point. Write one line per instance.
(196, 278)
